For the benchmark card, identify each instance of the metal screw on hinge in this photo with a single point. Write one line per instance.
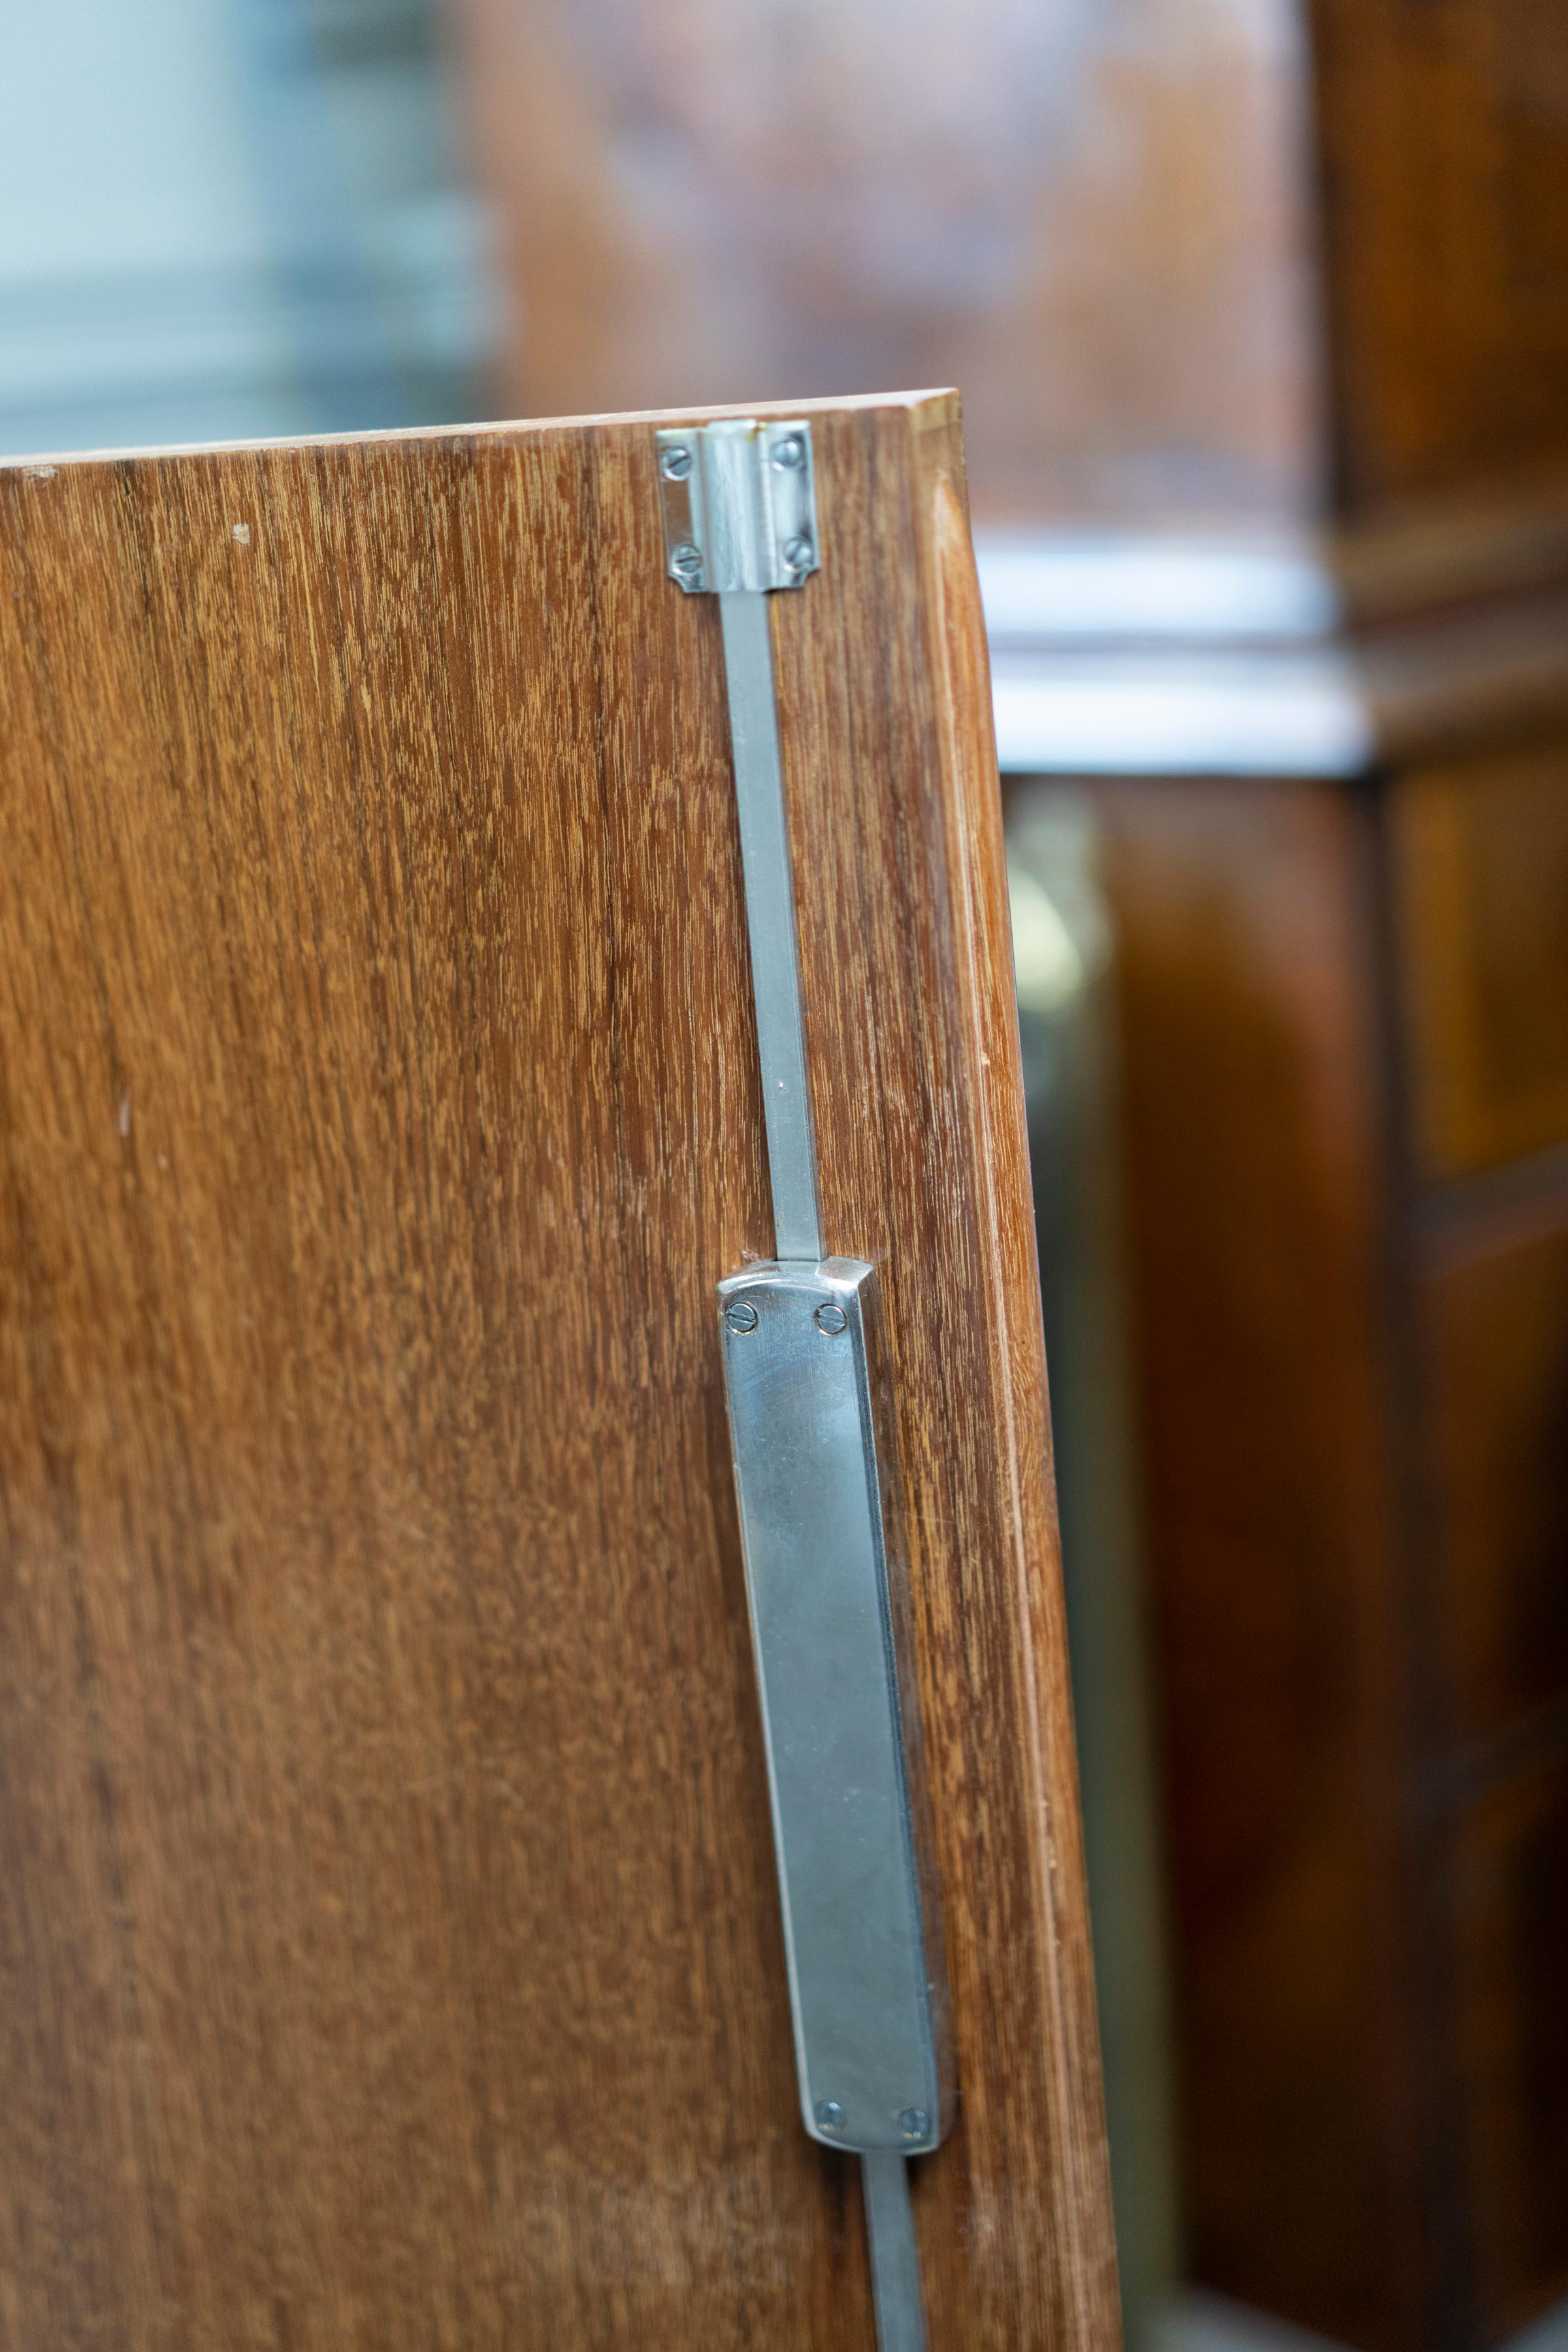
(831, 1319)
(797, 554)
(790, 453)
(914, 2123)
(676, 462)
(685, 562)
(829, 2115)
(740, 1316)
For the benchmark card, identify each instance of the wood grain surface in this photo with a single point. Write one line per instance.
(389, 1948)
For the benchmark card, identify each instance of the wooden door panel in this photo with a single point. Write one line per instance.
(388, 1946)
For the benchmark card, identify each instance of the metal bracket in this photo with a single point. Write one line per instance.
(740, 506)
(815, 1509)
(813, 1455)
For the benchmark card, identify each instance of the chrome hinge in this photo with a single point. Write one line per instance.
(740, 506)
(811, 1440)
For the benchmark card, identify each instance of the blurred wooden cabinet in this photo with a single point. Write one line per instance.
(1090, 219)
(1354, 1399)
(1334, 832)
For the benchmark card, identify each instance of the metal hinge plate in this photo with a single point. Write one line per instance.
(740, 505)
(870, 2039)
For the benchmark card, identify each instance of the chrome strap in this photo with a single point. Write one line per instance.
(815, 1484)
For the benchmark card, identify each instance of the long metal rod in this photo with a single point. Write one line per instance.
(770, 918)
(895, 2259)
(798, 1226)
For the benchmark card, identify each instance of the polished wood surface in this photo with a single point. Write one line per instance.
(389, 1951)
(1481, 846)
(1250, 1081)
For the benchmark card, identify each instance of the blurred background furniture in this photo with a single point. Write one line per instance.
(1065, 953)
(1332, 789)
(391, 1952)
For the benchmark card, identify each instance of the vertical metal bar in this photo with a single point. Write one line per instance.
(895, 2259)
(770, 917)
(768, 541)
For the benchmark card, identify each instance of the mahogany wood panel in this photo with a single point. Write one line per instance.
(1494, 1300)
(389, 1951)
(1481, 884)
(1442, 146)
(1251, 1089)
(1510, 1908)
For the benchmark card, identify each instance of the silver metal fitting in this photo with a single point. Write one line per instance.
(861, 1938)
(818, 1495)
(739, 502)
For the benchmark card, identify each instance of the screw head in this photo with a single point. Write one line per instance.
(790, 453)
(798, 553)
(914, 2123)
(676, 462)
(830, 1319)
(740, 1316)
(685, 562)
(829, 2115)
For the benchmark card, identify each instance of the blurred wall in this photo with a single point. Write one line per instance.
(224, 218)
